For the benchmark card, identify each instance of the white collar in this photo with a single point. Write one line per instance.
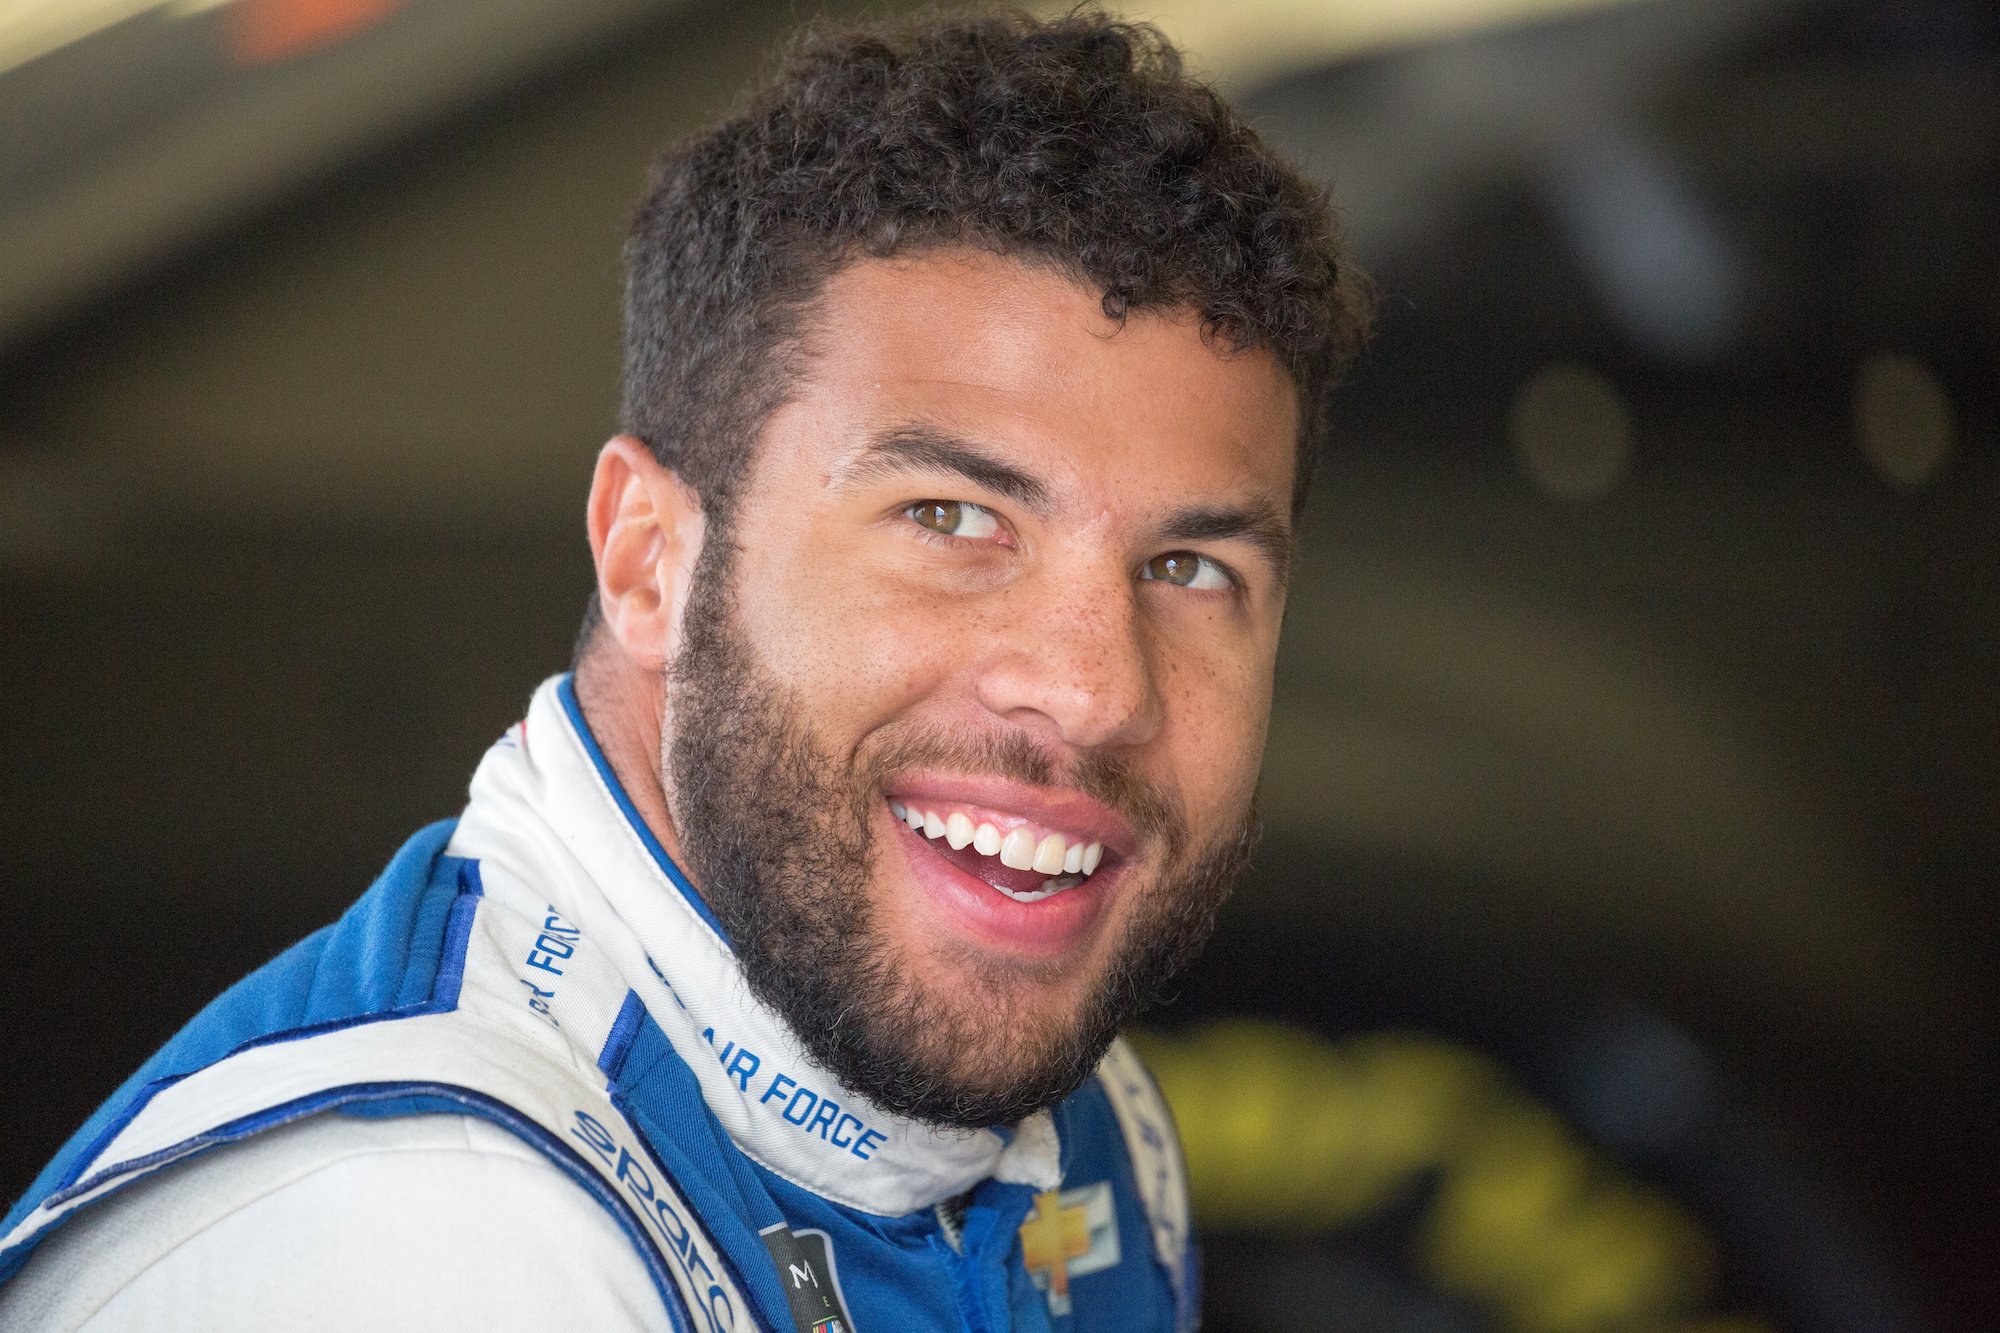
(546, 801)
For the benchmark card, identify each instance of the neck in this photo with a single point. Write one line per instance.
(624, 706)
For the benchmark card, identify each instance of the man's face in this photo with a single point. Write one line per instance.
(964, 731)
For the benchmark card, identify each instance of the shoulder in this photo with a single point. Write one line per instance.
(1146, 1126)
(1119, 1129)
(389, 951)
(428, 1220)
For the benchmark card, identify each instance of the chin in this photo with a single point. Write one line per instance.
(1005, 1036)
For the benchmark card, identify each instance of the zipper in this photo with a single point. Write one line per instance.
(951, 1220)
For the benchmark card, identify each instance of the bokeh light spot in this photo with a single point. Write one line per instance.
(1903, 419)
(1571, 433)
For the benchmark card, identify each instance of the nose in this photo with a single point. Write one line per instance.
(1077, 668)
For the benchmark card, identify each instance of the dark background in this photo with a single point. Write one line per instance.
(1636, 726)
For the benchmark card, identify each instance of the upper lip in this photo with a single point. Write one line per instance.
(1061, 809)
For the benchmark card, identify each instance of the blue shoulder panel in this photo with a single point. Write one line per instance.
(393, 951)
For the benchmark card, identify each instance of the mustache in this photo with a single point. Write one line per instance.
(1105, 778)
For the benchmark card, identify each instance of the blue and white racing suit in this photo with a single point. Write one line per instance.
(541, 966)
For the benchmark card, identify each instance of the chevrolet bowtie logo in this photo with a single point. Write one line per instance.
(1068, 1235)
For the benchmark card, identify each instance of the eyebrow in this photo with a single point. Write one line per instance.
(922, 448)
(1257, 522)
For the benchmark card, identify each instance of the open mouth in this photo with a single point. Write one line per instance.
(1016, 857)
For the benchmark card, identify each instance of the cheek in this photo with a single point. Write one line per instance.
(860, 649)
(1219, 708)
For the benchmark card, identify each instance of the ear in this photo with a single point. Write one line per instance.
(646, 528)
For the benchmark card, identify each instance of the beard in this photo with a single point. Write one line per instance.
(780, 835)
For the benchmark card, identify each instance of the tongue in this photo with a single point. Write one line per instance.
(988, 868)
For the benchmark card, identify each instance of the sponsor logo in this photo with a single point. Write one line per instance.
(1070, 1234)
(662, 1212)
(811, 1282)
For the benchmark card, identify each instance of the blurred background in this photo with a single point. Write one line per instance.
(1616, 959)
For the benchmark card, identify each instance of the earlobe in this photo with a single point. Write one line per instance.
(646, 527)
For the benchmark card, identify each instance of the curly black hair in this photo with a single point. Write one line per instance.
(1078, 142)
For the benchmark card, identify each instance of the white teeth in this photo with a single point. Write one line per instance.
(1050, 887)
(1017, 850)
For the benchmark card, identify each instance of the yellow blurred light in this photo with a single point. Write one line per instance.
(33, 28)
(30, 29)
(1286, 1131)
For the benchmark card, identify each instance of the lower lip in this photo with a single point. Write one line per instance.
(1054, 926)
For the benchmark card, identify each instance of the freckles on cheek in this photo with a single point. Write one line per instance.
(1221, 713)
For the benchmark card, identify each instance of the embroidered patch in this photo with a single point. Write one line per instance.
(1069, 1235)
(811, 1282)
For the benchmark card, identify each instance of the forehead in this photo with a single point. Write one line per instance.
(1023, 359)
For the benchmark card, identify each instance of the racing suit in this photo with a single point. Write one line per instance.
(541, 974)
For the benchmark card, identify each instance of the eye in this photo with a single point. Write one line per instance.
(954, 518)
(1185, 569)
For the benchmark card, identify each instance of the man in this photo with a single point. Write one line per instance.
(773, 974)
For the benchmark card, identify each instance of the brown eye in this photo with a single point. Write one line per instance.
(1185, 569)
(937, 515)
(954, 518)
